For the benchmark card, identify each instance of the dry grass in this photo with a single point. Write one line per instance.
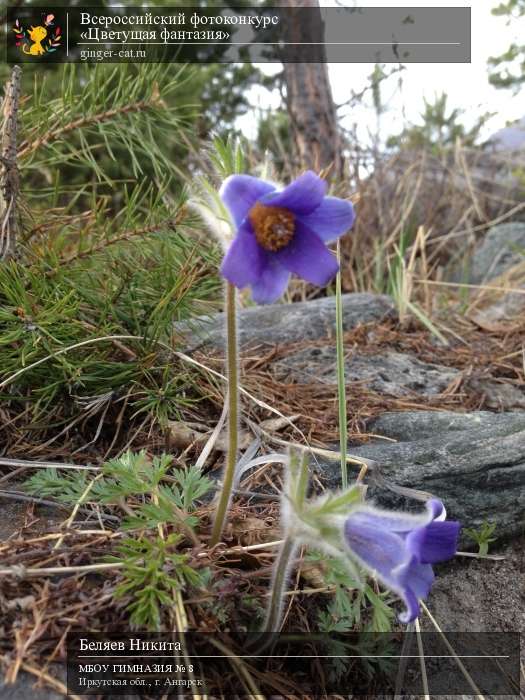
(453, 197)
(48, 592)
(40, 608)
(475, 352)
(456, 197)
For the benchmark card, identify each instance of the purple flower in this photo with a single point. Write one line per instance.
(400, 548)
(280, 232)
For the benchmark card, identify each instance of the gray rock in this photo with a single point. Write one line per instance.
(26, 688)
(502, 251)
(503, 247)
(475, 464)
(510, 307)
(497, 395)
(392, 373)
(407, 426)
(288, 323)
(510, 138)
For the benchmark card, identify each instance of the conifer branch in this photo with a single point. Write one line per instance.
(56, 134)
(126, 236)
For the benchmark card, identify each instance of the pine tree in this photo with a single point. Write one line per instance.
(440, 128)
(510, 66)
(309, 99)
(106, 257)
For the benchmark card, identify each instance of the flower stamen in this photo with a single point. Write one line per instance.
(274, 227)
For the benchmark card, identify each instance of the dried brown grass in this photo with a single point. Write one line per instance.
(456, 197)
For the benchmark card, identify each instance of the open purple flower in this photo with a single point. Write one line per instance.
(280, 232)
(400, 548)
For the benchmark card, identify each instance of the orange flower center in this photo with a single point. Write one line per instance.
(274, 226)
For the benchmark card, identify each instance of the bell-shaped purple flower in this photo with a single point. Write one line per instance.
(400, 548)
(280, 232)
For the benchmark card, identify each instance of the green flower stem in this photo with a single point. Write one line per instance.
(341, 387)
(233, 413)
(280, 576)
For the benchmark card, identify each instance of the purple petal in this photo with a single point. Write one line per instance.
(331, 219)
(435, 542)
(436, 509)
(245, 260)
(416, 576)
(271, 284)
(398, 521)
(240, 192)
(384, 554)
(308, 257)
(378, 550)
(388, 555)
(301, 196)
(415, 581)
(412, 607)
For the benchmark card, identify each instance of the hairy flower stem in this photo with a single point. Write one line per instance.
(280, 576)
(341, 387)
(233, 411)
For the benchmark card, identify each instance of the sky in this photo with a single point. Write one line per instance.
(466, 84)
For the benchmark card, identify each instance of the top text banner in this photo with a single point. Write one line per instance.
(233, 35)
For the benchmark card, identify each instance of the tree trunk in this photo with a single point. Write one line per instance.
(9, 185)
(308, 94)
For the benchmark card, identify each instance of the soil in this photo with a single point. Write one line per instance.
(481, 594)
(14, 516)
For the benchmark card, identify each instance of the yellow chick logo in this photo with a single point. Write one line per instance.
(43, 39)
(37, 35)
